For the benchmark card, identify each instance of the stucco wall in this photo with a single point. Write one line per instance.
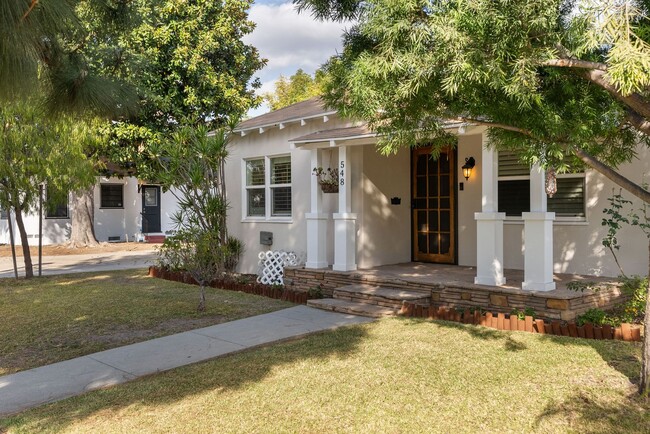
(123, 222)
(469, 200)
(577, 246)
(287, 235)
(385, 229)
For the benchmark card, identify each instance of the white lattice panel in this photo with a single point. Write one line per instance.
(272, 263)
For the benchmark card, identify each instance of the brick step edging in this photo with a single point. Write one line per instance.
(501, 321)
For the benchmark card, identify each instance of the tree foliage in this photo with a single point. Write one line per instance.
(192, 169)
(190, 66)
(298, 87)
(37, 150)
(45, 47)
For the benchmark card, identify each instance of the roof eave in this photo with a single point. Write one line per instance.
(288, 121)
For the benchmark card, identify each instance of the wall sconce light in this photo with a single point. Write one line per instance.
(468, 166)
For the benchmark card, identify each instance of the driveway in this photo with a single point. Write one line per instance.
(65, 264)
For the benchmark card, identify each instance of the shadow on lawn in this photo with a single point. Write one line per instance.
(624, 357)
(628, 415)
(227, 373)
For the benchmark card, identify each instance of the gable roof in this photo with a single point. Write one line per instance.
(310, 108)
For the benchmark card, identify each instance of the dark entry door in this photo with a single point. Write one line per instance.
(434, 232)
(150, 209)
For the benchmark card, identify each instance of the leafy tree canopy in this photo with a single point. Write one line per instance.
(190, 66)
(45, 48)
(556, 78)
(298, 87)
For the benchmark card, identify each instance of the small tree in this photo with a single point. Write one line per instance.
(192, 169)
(37, 151)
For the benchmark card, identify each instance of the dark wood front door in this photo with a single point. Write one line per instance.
(150, 209)
(433, 203)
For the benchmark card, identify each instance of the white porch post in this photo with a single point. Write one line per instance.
(538, 237)
(345, 234)
(316, 221)
(489, 224)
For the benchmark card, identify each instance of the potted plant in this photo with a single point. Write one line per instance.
(328, 179)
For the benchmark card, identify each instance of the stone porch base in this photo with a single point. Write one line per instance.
(452, 286)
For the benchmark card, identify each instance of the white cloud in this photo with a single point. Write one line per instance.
(290, 41)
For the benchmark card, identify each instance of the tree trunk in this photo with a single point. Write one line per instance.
(83, 219)
(201, 307)
(644, 384)
(29, 271)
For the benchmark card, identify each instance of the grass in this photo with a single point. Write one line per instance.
(395, 375)
(50, 319)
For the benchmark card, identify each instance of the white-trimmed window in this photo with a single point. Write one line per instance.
(111, 196)
(514, 191)
(267, 193)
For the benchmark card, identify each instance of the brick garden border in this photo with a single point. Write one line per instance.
(501, 321)
(285, 294)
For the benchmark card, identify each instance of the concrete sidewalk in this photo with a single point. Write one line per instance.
(34, 387)
(82, 263)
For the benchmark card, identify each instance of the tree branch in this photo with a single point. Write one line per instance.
(613, 175)
(634, 100)
(29, 10)
(575, 63)
(494, 125)
(638, 121)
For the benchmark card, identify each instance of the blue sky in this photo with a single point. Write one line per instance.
(289, 41)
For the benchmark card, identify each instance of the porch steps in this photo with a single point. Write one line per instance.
(352, 307)
(368, 300)
(154, 239)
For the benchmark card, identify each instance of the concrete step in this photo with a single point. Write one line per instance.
(352, 307)
(380, 296)
(154, 239)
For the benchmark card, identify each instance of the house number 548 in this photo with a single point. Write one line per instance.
(342, 177)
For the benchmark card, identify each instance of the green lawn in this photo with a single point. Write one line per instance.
(55, 318)
(395, 375)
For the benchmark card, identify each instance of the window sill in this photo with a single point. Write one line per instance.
(111, 207)
(57, 218)
(557, 222)
(267, 220)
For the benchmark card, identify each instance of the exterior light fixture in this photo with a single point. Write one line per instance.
(468, 166)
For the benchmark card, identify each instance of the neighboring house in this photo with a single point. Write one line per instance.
(408, 207)
(125, 210)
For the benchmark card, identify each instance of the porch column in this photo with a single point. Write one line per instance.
(538, 237)
(316, 221)
(489, 223)
(345, 234)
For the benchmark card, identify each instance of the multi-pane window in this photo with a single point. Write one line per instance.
(268, 187)
(111, 196)
(56, 205)
(514, 190)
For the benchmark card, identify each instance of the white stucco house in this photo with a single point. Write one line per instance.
(125, 210)
(409, 208)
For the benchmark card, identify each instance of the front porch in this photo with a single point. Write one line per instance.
(453, 286)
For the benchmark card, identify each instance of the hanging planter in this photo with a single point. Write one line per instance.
(328, 179)
(329, 188)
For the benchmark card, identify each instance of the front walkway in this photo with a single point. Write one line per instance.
(50, 383)
(65, 264)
